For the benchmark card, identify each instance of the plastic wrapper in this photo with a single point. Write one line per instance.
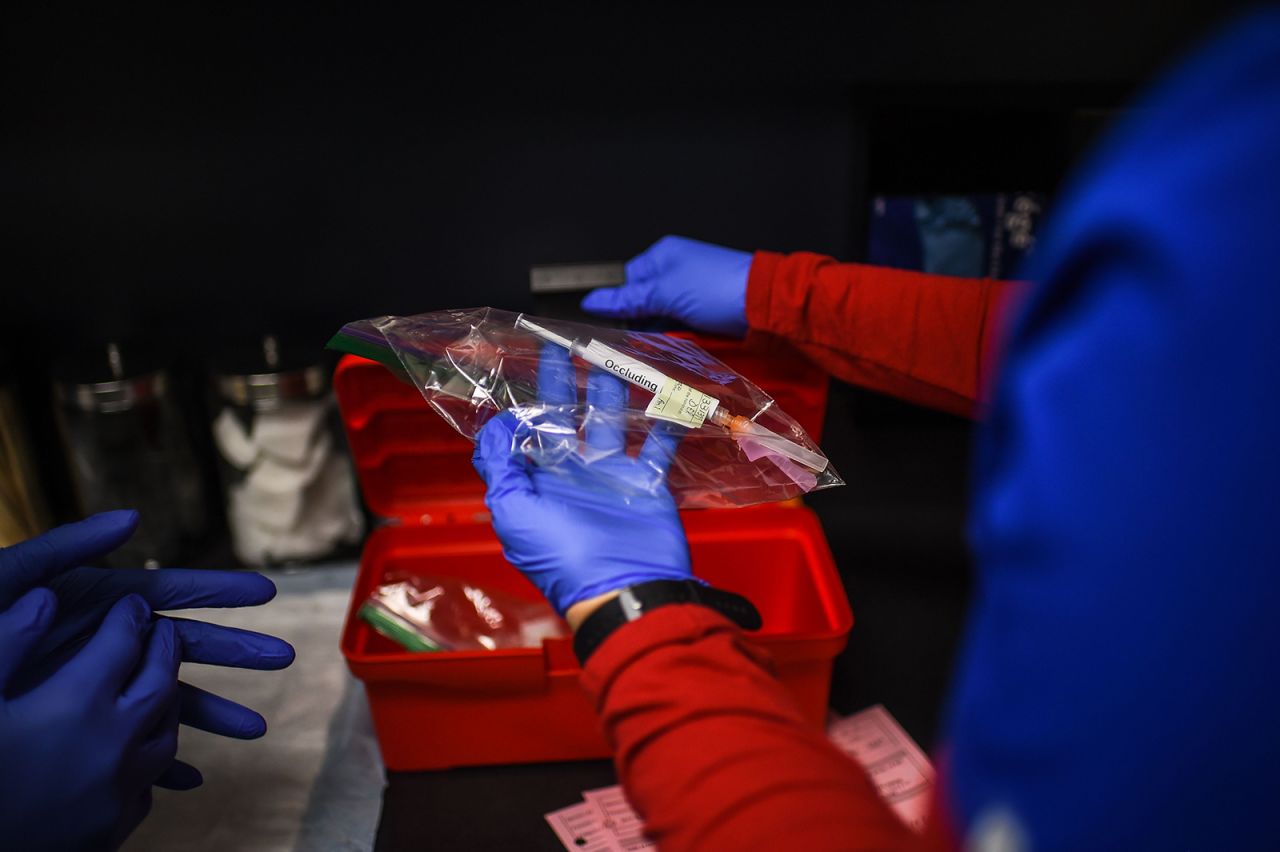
(427, 613)
(723, 441)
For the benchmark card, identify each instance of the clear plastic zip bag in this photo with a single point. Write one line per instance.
(629, 412)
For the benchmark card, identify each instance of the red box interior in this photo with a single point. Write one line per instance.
(525, 705)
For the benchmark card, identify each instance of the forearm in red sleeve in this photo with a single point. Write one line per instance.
(928, 339)
(714, 754)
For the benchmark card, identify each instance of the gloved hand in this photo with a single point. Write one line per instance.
(82, 750)
(566, 526)
(84, 595)
(702, 285)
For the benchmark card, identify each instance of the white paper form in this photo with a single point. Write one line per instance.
(899, 769)
(606, 822)
(619, 818)
(579, 827)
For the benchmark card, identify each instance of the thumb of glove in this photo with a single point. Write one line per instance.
(630, 301)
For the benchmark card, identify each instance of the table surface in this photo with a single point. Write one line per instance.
(484, 808)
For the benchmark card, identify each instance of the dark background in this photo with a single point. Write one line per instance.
(189, 176)
(185, 174)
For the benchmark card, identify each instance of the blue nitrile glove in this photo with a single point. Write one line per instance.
(702, 285)
(567, 526)
(85, 594)
(80, 752)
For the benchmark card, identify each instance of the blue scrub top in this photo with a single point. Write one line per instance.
(1119, 687)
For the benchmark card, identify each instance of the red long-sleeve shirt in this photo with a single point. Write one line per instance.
(709, 745)
(928, 339)
(715, 755)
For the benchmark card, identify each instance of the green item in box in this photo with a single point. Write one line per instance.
(396, 629)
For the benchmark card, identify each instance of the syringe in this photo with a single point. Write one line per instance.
(675, 401)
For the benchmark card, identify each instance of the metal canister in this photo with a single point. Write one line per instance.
(128, 447)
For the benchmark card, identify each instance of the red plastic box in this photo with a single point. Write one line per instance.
(433, 711)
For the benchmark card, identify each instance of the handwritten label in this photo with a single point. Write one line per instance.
(679, 403)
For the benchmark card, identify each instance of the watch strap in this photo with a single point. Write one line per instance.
(634, 601)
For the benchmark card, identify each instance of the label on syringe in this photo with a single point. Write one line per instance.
(672, 400)
(680, 403)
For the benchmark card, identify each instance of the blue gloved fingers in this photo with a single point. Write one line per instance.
(152, 692)
(660, 447)
(606, 424)
(173, 588)
(554, 434)
(85, 594)
(33, 562)
(502, 468)
(21, 628)
(218, 715)
(557, 378)
(110, 656)
(217, 645)
(157, 751)
(630, 301)
(180, 776)
(700, 284)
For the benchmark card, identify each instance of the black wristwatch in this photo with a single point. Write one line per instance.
(634, 601)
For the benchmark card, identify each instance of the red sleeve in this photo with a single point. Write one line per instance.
(928, 339)
(714, 754)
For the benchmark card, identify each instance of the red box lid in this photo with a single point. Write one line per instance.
(413, 466)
